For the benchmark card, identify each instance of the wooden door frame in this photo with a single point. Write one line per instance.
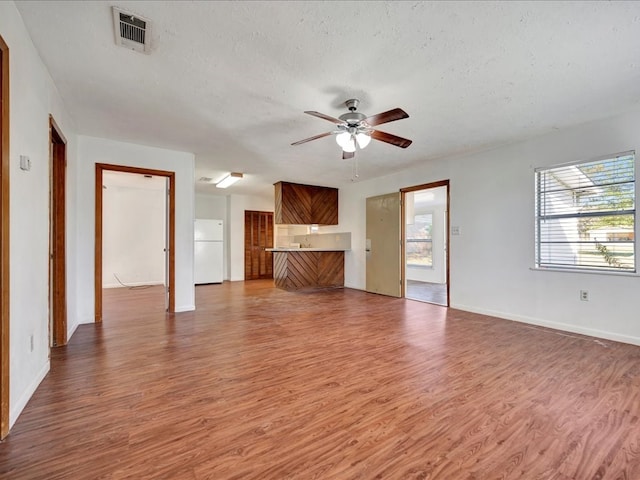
(100, 168)
(4, 239)
(57, 235)
(426, 186)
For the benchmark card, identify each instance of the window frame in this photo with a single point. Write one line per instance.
(538, 195)
(420, 240)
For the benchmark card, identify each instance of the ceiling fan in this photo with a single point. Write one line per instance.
(354, 129)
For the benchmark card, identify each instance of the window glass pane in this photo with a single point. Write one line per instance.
(585, 215)
(419, 241)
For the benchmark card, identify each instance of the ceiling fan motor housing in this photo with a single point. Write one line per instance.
(353, 118)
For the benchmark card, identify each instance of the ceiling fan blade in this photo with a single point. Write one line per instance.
(313, 138)
(348, 155)
(392, 139)
(386, 117)
(337, 121)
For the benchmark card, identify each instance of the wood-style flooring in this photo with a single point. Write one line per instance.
(260, 383)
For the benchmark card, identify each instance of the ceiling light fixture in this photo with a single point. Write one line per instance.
(347, 140)
(343, 139)
(229, 180)
(363, 139)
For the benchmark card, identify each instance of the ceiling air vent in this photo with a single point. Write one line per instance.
(132, 31)
(205, 179)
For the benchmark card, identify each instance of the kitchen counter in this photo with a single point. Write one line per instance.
(306, 249)
(303, 268)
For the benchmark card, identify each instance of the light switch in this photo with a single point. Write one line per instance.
(25, 163)
(455, 230)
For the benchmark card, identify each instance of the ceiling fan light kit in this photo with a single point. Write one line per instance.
(354, 129)
(363, 139)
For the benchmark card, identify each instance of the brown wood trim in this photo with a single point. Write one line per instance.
(425, 186)
(403, 247)
(98, 246)
(57, 247)
(172, 242)
(58, 130)
(4, 239)
(448, 240)
(100, 168)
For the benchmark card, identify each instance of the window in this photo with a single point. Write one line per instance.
(585, 215)
(419, 242)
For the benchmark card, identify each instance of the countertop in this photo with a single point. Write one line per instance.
(300, 249)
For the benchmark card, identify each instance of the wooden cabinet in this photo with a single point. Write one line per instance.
(298, 204)
(300, 270)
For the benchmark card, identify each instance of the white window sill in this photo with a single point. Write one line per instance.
(589, 272)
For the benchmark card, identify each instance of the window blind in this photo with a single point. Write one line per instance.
(585, 215)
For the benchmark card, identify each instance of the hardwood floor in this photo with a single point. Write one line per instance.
(260, 383)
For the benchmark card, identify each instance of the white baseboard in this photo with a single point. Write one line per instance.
(131, 284)
(71, 330)
(564, 327)
(27, 394)
(185, 308)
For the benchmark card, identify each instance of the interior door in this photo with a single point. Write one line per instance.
(258, 236)
(57, 237)
(383, 245)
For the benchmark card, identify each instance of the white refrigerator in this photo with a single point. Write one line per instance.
(208, 250)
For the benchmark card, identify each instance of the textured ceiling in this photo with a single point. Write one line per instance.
(229, 81)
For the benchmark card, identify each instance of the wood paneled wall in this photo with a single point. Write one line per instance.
(297, 204)
(298, 270)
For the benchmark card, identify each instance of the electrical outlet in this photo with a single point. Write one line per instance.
(584, 295)
(31, 343)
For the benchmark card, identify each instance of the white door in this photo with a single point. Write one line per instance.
(383, 245)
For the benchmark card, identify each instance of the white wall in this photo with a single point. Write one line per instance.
(235, 231)
(133, 235)
(211, 206)
(492, 201)
(33, 97)
(97, 150)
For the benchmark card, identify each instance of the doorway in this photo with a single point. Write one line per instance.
(169, 249)
(383, 245)
(258, 236)
(4, 239)
(57, 236)
(425, 241)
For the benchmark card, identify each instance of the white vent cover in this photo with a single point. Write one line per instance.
(131, 31)
(205, 179)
